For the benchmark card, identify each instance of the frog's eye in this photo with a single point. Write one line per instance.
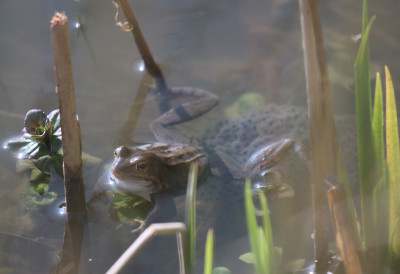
(142, 166)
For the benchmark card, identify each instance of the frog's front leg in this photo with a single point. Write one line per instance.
(187, 111)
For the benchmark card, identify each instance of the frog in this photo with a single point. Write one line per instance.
(253, 145)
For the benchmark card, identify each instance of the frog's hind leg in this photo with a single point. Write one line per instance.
(185, 112)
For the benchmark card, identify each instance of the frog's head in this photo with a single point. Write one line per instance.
(153, 168)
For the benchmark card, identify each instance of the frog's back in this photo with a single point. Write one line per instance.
(240, 137)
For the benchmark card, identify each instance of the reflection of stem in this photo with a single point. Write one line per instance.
(151, 66)
(37, 240)
(72, 147)
(124, 135)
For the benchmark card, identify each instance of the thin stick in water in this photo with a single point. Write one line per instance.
(151, 66)
(71, 133)
(72, 147)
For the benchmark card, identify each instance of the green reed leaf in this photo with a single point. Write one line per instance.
(393, 163)
(209, 254)
(190, 218)
(366, 151)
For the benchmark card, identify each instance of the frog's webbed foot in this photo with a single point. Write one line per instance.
(164, 209)
(185, 112)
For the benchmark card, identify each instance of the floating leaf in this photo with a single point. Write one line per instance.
(221, 270)
(248, 258)
(129, 207)
(294, 266)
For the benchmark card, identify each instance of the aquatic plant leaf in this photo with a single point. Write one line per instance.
(221, 270)
(24, 165)
(16, 144)
(57, 164)
(393, 163)
(294, 266)
(54, 119)
(262, 250)
(129, 207)
(267, 233)
(34, 201)
(39, 181)
(248, 258)
(44, 163)
(380, 197)
(366, 149)
(35, 123)
(244, 104)
(190, 218)
(209, 253)
(377, 126)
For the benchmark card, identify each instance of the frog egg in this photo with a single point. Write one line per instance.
(56, 211)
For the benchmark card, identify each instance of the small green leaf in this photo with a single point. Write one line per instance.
(35, 122)
(129, 207)
(16, 144)
(294, 266)
(24, 165)
(41, 188)
(221, 270)
(54, 118)
(248, 258)
(44, 163)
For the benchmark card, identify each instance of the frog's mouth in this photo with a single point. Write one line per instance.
(140, 186)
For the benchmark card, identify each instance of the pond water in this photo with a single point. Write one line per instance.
(229, 47)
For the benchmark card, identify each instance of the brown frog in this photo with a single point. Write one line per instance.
(271, 139)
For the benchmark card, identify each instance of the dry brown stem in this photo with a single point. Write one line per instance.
(72, 147)
(345, 233)
(151, 66)
(71, 134)
(316, 137)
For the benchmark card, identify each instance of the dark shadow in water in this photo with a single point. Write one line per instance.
(72, 246)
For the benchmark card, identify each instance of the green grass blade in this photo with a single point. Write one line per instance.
(380, 189)
(190, 218)
(252, 226)
(263, 250)
(269, 248)
(380, 197)
(261, 242)
(393, 163)
(366, 151)
(377, 126)
(208, 258)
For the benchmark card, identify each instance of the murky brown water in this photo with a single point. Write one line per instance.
(227, 47)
